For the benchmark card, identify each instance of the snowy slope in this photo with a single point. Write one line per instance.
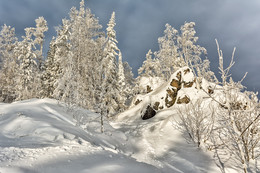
(41, 135)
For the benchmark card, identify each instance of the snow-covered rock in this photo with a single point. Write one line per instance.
(179, 89)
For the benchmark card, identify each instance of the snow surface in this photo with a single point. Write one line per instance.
(41, 135)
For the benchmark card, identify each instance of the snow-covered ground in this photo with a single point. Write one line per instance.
(41, 135)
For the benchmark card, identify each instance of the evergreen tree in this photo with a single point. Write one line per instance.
(129, 83)
(30, 61)
(60, 54)
(84, 51)
(151, 68)
(8, 69)
(121, 84)
(110, 87)
(51, 71)
(27, 83)
(41, 27)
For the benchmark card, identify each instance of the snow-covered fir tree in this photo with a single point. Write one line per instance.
(122, 84)
(8, 64)
(27, 82)
(110, 86)
(30, 60)
(129, 83)
(51, 71)
(83, 55)
(39, 30)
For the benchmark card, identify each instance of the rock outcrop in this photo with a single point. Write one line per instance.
(148, 113)
(180, 89)
(166, 95)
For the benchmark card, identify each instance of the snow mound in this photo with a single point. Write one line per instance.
(37, 123)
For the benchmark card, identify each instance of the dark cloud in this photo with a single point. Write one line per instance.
(235, 23)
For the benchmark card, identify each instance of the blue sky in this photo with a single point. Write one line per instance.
(235, 23)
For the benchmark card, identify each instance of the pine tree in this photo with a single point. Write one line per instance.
(27, 83)
(41, 27)
(31, 60)
(51, 71)
(122, 84)
(84, 50)
(181, 49)
(129, 83)
(8, 69)
(110, 87)
(60, 54)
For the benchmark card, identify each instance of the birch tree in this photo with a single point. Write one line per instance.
(239, 114)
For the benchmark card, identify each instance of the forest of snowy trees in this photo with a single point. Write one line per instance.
(84, 68)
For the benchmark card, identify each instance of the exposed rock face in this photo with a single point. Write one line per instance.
(183, 100)
(176, 83)
(149, 113)
(148, 89)
(156, 106)
(137, 101)
(188, 84)
(210, 90)
(170, 97)
(167, 94)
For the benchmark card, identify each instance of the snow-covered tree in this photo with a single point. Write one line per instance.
(28, 83)
(9, 65)
(181, 49)
(129, 82)
(110, 87)
(238, 117)
(51, 71)
(197, 121)
(54, 81)
(150, 67)
(168, 54)
(30, 60)
(39, 30)
(79, 50)
(121, 83)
